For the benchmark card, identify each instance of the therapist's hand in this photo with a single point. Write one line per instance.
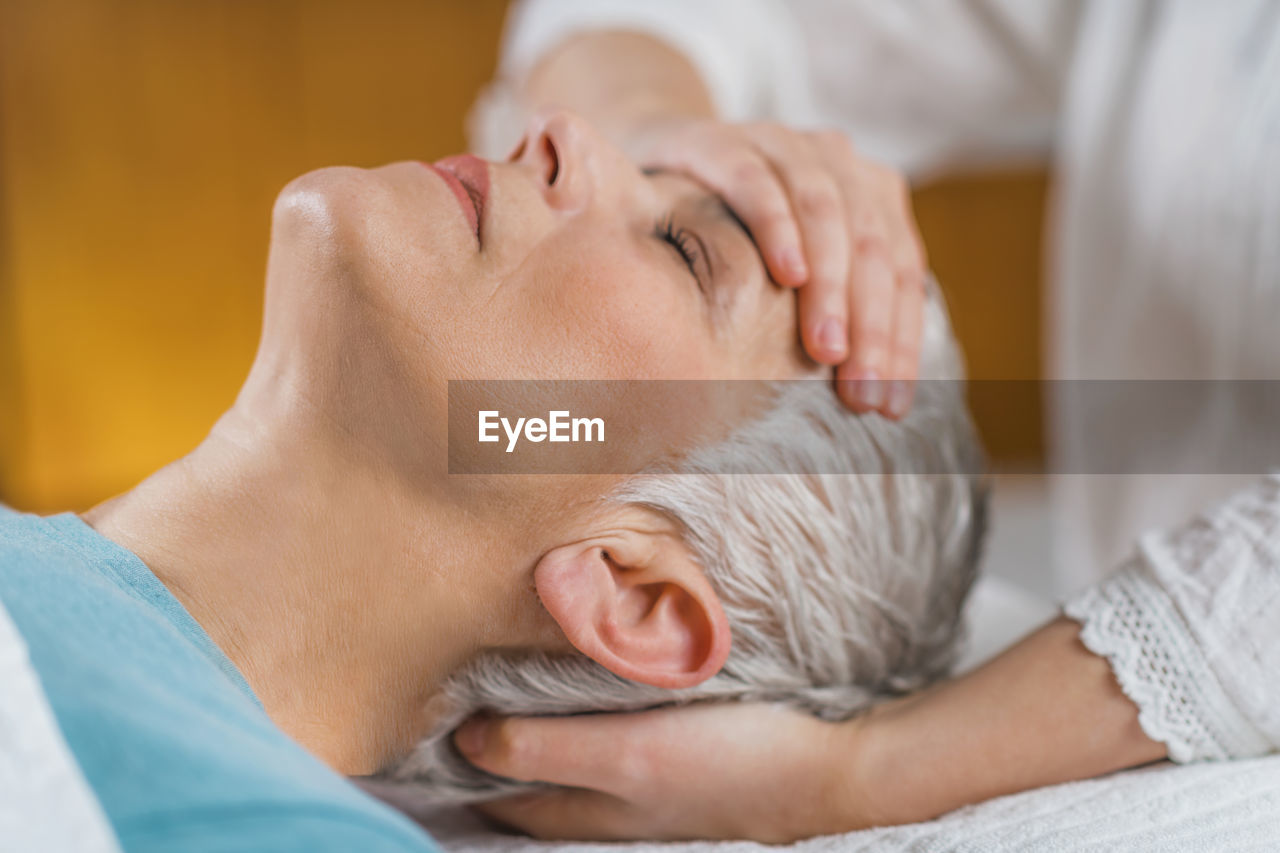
(754, 771)
(829, 221)
(1047, 710)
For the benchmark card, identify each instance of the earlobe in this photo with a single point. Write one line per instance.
(639, 605)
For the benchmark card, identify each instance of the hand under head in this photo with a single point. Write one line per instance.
(834, 581)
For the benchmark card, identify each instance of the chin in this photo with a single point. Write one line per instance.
(366, 226)
(328, 210)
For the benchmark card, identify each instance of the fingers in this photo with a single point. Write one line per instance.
(819, 209)
(906, 244)
(889, 329)
(904, 360)
(567, 816)
(907, 252)
(740, 175)
(860, 381)
(885, 287)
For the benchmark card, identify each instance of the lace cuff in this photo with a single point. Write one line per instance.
(1133, 623)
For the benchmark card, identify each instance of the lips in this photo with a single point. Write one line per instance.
(468, 177)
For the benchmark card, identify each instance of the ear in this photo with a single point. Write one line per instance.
(636, 602)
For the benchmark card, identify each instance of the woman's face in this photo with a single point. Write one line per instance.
(565, 262)
(578, 265)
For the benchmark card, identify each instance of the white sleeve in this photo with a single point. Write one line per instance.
(935, 85)
(750, 53)
(1191, 627)
(920, 84)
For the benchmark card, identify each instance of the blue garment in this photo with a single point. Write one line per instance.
(168, 734)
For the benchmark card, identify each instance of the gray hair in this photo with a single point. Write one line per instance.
(842, 585)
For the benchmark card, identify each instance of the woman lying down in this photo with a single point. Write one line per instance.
(311, 594)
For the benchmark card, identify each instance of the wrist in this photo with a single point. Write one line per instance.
(870, 786)
(622, 82)
(857, 764)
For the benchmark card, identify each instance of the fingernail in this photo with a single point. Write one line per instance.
(470, 737)
(793, 262)
(831, 336)
(869, 390)
(899, 397)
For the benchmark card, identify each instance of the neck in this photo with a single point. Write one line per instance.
(342, 595)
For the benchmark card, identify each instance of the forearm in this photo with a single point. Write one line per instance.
(619, 81)
(1046, 711)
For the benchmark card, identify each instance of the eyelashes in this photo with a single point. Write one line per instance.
(682, 241)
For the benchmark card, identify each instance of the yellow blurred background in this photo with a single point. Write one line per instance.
(143, 141)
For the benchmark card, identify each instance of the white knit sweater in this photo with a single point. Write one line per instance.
(1191, 625)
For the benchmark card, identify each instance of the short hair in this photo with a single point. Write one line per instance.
(842, 578)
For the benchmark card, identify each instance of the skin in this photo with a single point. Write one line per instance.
(1046, 711)
(828, 221)
(316, 533)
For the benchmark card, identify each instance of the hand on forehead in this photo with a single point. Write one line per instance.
(830, 222)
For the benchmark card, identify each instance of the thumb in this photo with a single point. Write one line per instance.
(575, 752)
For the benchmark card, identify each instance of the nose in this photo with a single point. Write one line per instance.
(573, 163)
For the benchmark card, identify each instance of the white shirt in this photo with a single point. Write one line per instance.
(1160, 120)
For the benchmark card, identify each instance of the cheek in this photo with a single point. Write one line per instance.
(608, 313)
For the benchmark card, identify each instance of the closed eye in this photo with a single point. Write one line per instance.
(683, 242)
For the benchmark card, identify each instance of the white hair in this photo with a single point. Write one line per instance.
(842, 579)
